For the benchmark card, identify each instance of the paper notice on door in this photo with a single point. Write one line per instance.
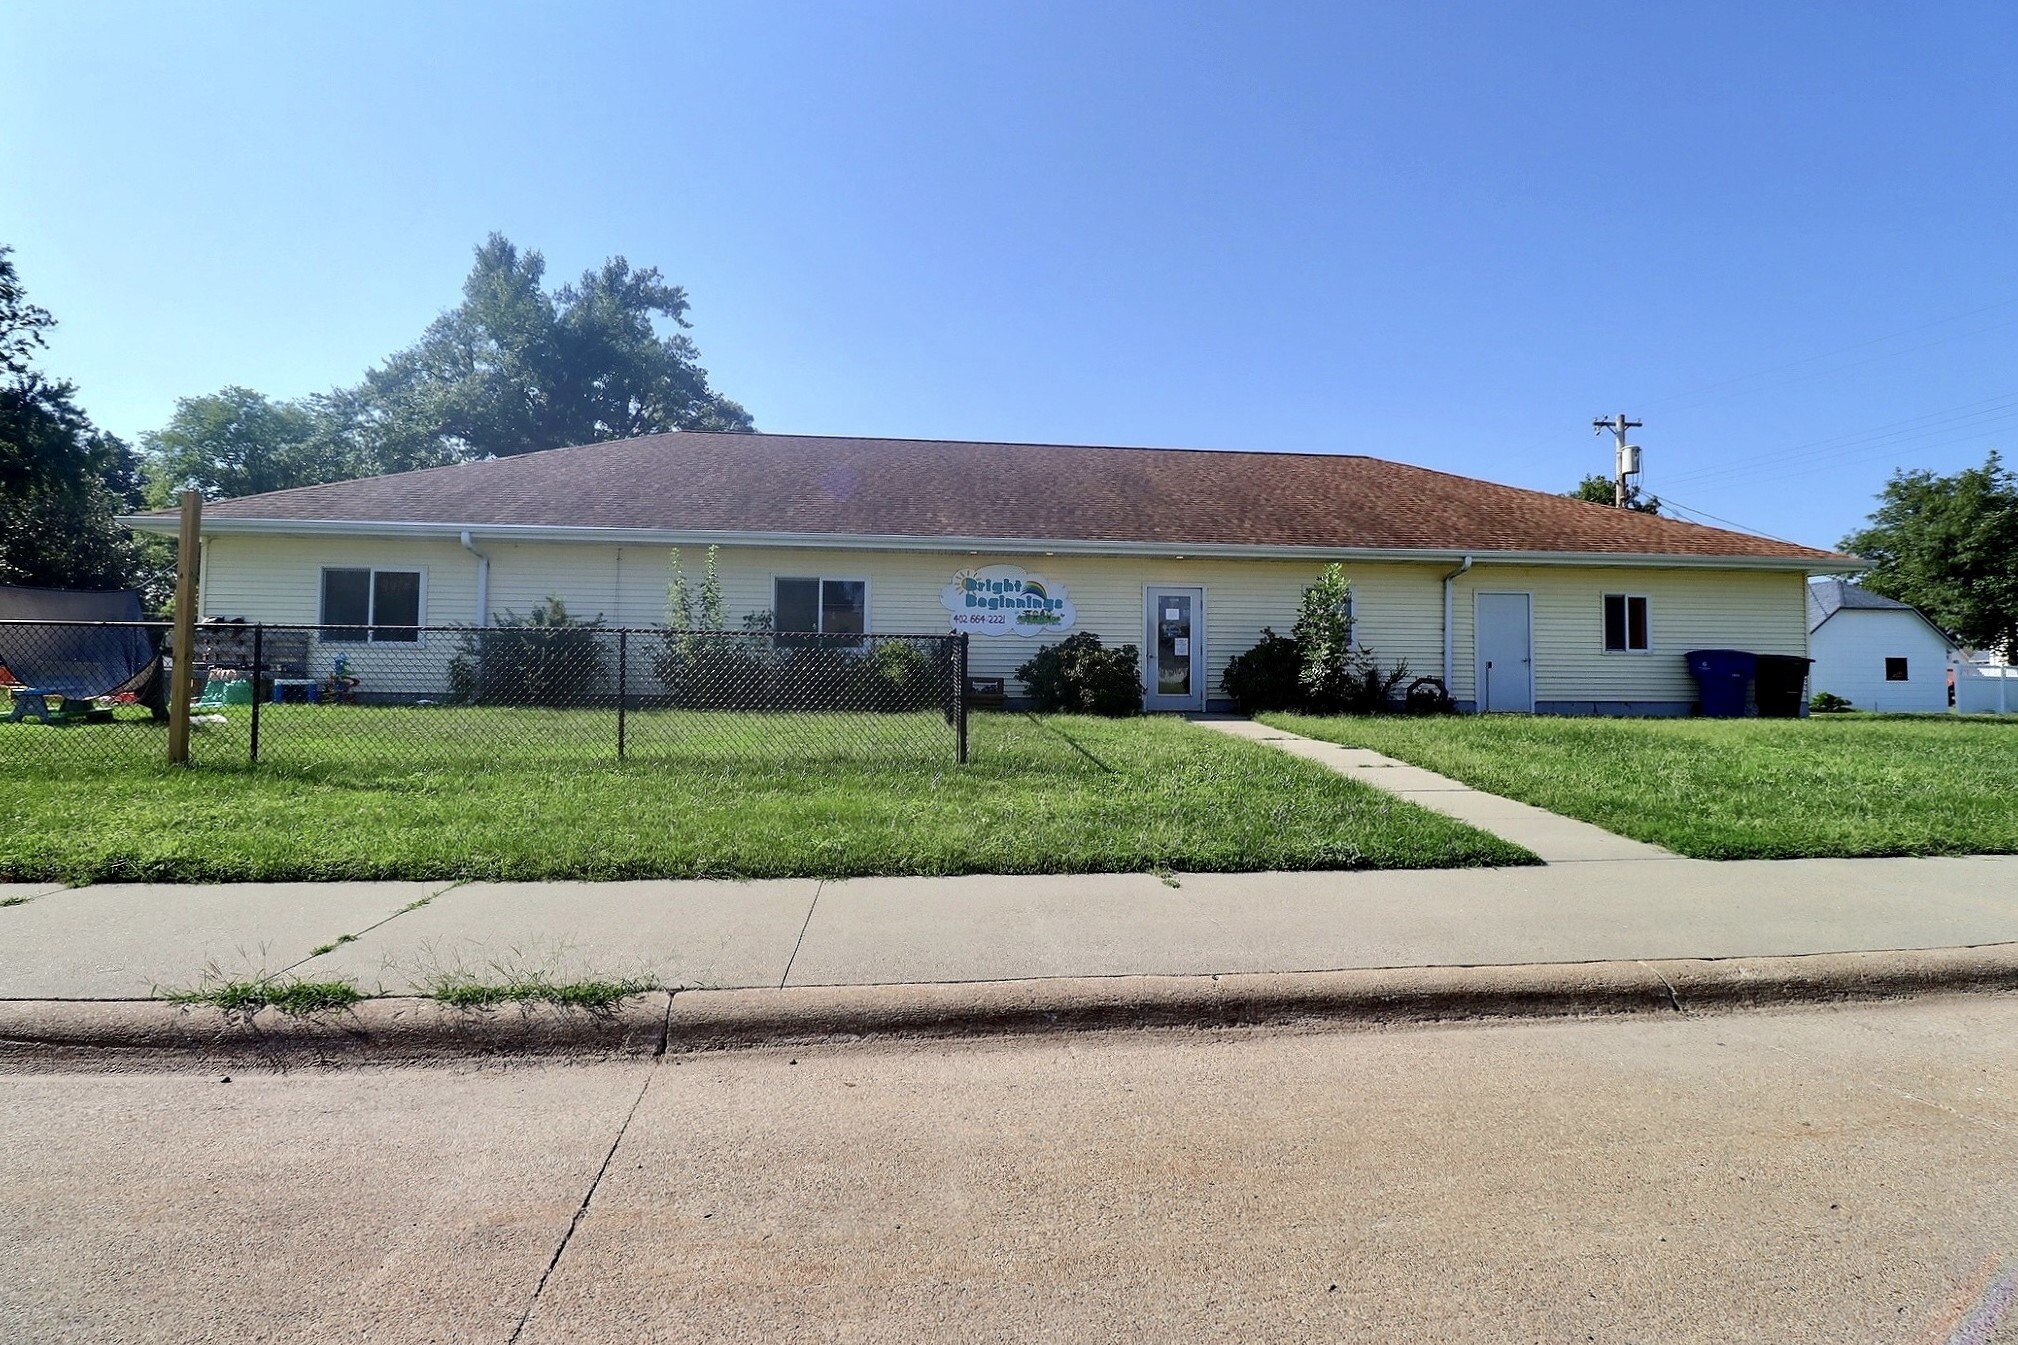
(1171, 614)
(1183, 649)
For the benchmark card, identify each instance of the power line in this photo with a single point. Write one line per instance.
(1729, 523)
(1876, 440)
(1672, 398)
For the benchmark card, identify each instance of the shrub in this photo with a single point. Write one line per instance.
(1828, 703)
(1078, 676)
(545, 658)
(1317, 668)
(1266, 677)
(1365, 688)
(897, 675)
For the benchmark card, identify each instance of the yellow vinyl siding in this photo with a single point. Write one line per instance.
(1399, 605)
(1763, 611)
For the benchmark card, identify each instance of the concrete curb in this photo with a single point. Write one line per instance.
(141, 1032)
(392, 1030)
(721, 1019)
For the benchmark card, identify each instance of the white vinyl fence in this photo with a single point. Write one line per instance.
(1986, 690)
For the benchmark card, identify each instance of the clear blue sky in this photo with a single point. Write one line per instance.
(1785, 236)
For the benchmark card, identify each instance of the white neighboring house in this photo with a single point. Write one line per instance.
(1875, 652)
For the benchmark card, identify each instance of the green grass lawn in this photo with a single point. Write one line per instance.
(1732, 788)
(358, 792)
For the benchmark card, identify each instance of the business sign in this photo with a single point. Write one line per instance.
(1005, 600)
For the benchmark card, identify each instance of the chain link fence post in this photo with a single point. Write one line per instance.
(258, 662)
(623, 672)
(960, 694)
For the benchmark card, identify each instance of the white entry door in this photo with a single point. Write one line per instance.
(1173, 663)
(1506, 673)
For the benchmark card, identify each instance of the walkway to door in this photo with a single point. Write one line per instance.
(1554, 838)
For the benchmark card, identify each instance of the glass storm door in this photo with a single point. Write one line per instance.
(1174, 666)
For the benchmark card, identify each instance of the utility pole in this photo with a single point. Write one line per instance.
(1626, 461)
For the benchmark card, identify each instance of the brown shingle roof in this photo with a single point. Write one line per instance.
(811, 484)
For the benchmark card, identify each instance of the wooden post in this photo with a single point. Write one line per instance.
(180, 688)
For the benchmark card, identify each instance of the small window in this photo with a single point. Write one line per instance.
(1626, 624)
(379, 606)
(828, 606)
(1895, 670)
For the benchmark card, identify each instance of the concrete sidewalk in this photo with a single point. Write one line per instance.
(132, 941)
(1551, 837)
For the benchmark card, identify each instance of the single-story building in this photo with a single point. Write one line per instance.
(1876, 652)
(1518, 599)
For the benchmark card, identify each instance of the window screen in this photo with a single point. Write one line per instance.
(795, 604)
(1895, 670)
(831, 606)
(382, 606)
(1625, 623)
(395, 606)
(346, 603)
(844, 606)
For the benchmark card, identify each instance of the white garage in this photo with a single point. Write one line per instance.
(1875, 652)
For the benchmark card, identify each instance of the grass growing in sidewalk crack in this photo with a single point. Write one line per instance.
(289, 995)
(594, 995)
(340, 940)
(14, 901)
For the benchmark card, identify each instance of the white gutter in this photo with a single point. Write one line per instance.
(482, 579)
(1449, 632)
(994, 545)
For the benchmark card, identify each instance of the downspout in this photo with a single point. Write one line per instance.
(1449, 633)
(202, 574)
(482, 580)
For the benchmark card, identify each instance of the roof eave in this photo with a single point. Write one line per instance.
(221, 524)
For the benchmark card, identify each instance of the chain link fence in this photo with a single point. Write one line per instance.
(366, 700)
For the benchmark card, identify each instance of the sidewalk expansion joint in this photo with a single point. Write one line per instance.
(803, 927)
(355, 935)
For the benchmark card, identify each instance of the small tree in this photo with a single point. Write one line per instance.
(698, 661)
(1323, 631)
(1339, 677)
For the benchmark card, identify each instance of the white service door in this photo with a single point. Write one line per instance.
(1506, 675)
(1173, 652)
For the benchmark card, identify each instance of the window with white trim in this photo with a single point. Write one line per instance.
(371, 606)
(828, 606)
(1626, 624)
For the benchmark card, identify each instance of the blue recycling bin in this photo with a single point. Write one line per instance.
(1722, 676)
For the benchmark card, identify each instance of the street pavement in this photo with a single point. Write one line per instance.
(1825, 1174)
(134, 940)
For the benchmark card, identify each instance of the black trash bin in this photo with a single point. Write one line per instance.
(1777, 683)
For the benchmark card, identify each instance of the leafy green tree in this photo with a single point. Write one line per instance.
(1598, 490)
(1949, 546)
(63, 481)
(1323, 631)
(515, 369)
(240, 442)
